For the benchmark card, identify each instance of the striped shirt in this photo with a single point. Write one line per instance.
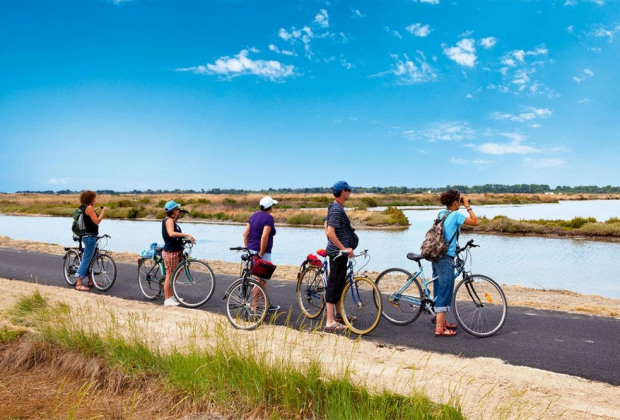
(338, 219)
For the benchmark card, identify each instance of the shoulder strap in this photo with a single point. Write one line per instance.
(456, 232)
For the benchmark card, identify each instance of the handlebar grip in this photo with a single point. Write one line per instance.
(237, 248)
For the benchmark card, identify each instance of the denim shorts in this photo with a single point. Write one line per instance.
(443, 288)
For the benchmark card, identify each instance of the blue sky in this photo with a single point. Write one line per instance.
(143, 94)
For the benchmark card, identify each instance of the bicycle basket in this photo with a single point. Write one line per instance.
(262, 268)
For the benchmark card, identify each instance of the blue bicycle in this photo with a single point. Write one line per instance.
(479, 303)
(360, 302)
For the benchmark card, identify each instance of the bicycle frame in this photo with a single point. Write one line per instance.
(351, 276)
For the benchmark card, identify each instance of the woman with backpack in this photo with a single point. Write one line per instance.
(443, 269)
(91, 224)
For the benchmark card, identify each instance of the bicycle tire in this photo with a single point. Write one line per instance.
(362, 300)
(239, 302)
(70, 266)
(310, 292)
(103, 270)
(399, 311)
(193, 283)
(480, 305)
(150, 278)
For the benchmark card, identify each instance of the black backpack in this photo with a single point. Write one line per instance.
(79, 226)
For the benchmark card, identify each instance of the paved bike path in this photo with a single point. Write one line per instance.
(578, 345)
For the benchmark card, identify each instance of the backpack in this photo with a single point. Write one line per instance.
(435, 246)
(79, 226)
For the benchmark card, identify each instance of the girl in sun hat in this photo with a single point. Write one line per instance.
(173, 246)
(259, 232)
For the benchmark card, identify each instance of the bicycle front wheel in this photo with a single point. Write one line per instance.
(103, 269)
(311, 292)
(399, 308)
(361, 305)
(150, 279)
(193, 283)
(247, 304)
(480, 305)
(70, 266)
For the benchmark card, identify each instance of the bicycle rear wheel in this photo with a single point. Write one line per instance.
(310, 292)
(70, 266)
(361, 305)
(150, 279)
(480, 305)
(247, 304)
(103, 269)
(193, 283)
(399, 309)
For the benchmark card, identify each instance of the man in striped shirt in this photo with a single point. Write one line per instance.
(339, 244)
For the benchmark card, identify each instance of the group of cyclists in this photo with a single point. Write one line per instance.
(258, 238)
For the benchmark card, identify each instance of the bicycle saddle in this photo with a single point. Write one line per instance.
(415, 257)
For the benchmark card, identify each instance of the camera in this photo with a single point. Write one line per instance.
(461, 200)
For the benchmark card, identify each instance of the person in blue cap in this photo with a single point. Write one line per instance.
(339, 243)
(173, 246)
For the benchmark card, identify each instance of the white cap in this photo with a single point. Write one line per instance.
(267, 202)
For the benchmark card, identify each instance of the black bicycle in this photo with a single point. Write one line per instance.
(102, 267)
(247, 301)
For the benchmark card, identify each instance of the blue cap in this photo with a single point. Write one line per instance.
(171, 205)
(340, 186)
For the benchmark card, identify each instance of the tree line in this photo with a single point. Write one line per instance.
(478, 189)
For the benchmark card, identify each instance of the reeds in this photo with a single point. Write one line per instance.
(237, 373)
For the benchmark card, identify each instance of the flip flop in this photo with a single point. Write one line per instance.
(444, 332)
(336, 328)
(350, 318)
(82, 288)
(449, 325)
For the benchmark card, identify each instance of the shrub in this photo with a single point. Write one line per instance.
(370, 202)
(577, 222)
(132, 213)
(396, 216)
(229, 201)
(300, 219)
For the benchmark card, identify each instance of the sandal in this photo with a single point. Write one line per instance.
(449, 325)
(350, 318)
(81, 288)
(444, 332)
(336, 328)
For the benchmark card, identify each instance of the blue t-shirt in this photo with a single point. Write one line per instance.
(452, 223)
(257, 222)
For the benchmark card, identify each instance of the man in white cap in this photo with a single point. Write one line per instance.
(259, 232)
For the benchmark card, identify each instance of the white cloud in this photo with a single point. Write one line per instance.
(514, 147)
(519, 69)
(570, 29)
(322, 19)
(570, 2)
(279, 51)
(585, 74)
(603, 32)
(464, 53)
(241, 65)
(530, 114)
(427, 1)
(410, 71)
(475, 162)
(443, 131)
(488, 42)
(545, 163)
(585, 101)
(419, 30)
(294, 36)
(57, 181)
(358, 13)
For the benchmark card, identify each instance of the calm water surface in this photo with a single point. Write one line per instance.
(578, 265)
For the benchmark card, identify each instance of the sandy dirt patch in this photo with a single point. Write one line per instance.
(483, 387)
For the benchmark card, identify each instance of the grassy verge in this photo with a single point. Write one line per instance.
(226, 378)
(578, 226)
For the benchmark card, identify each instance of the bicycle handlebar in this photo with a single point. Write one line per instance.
(469, 244)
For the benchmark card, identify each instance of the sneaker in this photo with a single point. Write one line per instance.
(171, 302)
(273, 308)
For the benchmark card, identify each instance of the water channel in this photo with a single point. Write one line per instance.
(580, 265)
